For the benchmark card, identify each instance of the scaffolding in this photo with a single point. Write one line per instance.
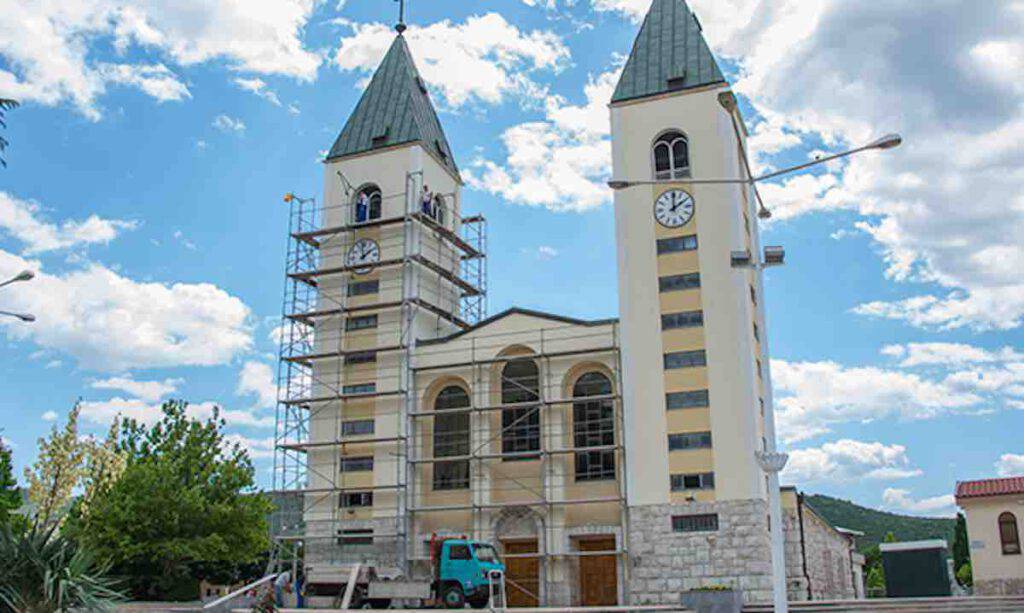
(357, 440)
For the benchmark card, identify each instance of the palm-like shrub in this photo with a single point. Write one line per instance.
(43, 571)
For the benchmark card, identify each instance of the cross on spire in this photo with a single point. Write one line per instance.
(400, 26)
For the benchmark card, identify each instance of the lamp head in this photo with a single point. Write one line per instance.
(614, 184)
(764, 214)
(26, 317)
(728, 100)
(25, 275)
(889, 141)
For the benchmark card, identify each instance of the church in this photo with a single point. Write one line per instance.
(610, 462)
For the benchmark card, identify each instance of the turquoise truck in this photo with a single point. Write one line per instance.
(462, 571)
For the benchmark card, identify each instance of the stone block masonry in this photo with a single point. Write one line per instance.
(665, 563)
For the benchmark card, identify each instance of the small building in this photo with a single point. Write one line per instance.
(822, 562)
(917, 569)
(994, 510)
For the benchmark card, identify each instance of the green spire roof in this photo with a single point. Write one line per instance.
(669, 54)
(394, 109)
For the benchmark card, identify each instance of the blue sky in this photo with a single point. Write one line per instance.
(155, 142)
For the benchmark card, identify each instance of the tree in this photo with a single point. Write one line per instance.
(961, 547)
(182, 509)
(6, 104)
(10, 496)
(965, 575)
(58, 469)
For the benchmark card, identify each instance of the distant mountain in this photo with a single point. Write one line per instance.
(876, 524)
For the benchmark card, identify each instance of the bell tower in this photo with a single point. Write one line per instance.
(693, 385)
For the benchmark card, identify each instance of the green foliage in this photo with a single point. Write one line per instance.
(965, 575)
(182, 509)
(43, 570)
(877, 524)
(961, 547)
(10, 496)
(6, 104)
(876, 579)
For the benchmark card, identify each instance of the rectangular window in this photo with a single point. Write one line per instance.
(363, 288)
(677, 244)
(361, 357)
(360, 388)
(355, 537)
(351, 500)
(685, 359)
(356, 465)
(686, 400)
(686, 319)
(363, 322)
(358, 427)
(452, 475)
(459, 552)
(699, 481)
(759, 373)
(674, 283)
(695, 523)
(753, 295)
(689, 440)
(757, 334)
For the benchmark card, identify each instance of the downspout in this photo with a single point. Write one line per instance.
(803, 541)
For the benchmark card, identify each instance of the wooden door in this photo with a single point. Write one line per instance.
(522, 575)
(598, 573)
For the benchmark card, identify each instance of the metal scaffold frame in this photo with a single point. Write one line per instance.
(442, 281)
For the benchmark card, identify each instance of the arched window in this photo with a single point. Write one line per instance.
(520, 426)
(1008, 534)
(671, 156)
(593, 425)
(367, 205)
(451, 439)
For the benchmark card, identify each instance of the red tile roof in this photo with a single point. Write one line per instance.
(990, 487)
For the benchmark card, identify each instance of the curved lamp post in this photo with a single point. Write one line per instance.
(25, 275)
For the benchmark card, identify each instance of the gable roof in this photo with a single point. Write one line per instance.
(518, 311)
(990, 487)
(669, 54)
(395, 109)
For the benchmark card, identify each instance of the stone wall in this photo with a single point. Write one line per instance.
(827, 574)
(999, 587)
(665, 563)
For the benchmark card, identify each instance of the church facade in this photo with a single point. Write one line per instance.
(611, 461)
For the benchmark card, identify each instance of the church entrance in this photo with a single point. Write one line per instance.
(598, 573)
(522, 574)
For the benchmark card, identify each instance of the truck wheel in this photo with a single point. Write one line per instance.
(380, 603)
(453, 597)
(479, 602)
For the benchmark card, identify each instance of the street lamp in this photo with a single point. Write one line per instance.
(25, 275)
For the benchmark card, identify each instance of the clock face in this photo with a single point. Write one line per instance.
(674, 208)
(364, 253)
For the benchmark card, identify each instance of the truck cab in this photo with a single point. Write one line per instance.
(463, 569)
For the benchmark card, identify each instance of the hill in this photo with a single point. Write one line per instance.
(875, 524)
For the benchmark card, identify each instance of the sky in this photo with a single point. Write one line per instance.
(155, 141)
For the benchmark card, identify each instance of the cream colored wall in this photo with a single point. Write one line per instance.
(724, 296)
(987, 558)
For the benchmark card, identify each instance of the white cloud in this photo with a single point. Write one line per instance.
(22, 220)
(49, 416)
(813, 396)
(183, 240)
(47, 45)
(258, 448)
(1010, 465)
(109, 321)
(103, 412)
(901, 500)
(259, 87)
(257, 379)
(149, 391)
(948, 207)
(848, 460)
(483, 59)
(920, 354)
(155, 80)
(225, 123)
(561, 163)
